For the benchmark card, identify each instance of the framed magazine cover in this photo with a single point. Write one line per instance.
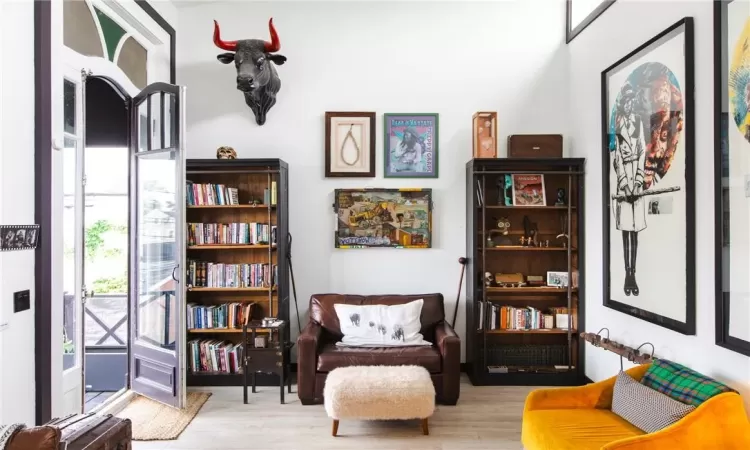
(528, 190)
(732, 173)
(648, 181)
(410, 142)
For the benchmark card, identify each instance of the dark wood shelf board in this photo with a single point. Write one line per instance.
(521, 248)
(258, 207)
(223, 330)
(538, 208)
(232, 379)
(566, 378)
(230, 247)
(529, 290)
(542, 331)
(230, 289)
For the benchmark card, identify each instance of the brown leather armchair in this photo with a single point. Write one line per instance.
(317, 353)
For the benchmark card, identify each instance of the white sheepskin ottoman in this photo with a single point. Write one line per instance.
(379, 393)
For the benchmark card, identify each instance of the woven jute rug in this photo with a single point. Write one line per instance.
(154, 421)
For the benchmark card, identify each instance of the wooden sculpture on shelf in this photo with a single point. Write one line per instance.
(631, 354)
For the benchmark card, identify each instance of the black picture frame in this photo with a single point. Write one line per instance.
(688, 326)
(368, 152)
(722, 153)
(570, 31)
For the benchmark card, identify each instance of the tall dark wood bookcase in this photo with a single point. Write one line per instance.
(251, 177)
(520, 350)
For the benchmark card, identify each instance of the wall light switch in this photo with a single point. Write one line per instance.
(21, 301)
(747, 186)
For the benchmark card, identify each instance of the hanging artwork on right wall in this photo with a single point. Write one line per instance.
(732, 173)
(648, 179)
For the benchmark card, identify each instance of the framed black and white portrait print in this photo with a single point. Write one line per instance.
(581, 13)
(648, 181)
(732, 173)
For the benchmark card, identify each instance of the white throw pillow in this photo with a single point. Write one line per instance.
(381, 325)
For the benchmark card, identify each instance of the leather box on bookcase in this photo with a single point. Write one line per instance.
(535, 146)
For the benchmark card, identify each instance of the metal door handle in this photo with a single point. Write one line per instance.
(174, 271)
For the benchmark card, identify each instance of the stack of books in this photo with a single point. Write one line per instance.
(220, 275)
(224, 316)
(231, 233)
(214, 356)
(211, 194)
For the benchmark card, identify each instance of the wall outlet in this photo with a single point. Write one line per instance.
(21, 301)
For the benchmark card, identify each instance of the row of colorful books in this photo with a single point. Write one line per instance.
(519, 318)
(252, 233)
(221, 275)
(211, 194)
(226, 315)
(213, 355)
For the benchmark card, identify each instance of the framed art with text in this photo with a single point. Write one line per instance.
(732, 173)
(648, 181)
(581, 13)
(411, 145)
(350, 144)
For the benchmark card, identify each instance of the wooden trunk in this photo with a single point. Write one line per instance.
(94, 432)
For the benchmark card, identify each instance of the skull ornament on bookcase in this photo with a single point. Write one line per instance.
(226, 153)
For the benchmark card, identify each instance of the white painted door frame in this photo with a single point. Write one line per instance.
(137, 23)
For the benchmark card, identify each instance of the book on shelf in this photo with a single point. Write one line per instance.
(269, 195)
(211, 194)
(224, 316)
(516, 318)
(231, 233)
(215, 356)
(221, 275)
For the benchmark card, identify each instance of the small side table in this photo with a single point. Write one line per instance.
(271, 359)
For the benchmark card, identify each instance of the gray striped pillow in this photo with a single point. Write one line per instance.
(646, 408)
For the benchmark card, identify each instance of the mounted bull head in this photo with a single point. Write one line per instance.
(256, 77)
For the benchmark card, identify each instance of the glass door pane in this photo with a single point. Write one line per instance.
(157, 248)
(71, 201)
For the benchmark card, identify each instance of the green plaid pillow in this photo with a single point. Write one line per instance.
(681, 383)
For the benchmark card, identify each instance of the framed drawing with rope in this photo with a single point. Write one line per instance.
(350, 144)
(648, 181)
(411, 145)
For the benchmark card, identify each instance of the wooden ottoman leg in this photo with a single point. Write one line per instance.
(335, 427)
(425, 428)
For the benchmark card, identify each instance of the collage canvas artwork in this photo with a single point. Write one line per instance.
(647, 169)
(732, 172)
(411, 145)
(394, 218)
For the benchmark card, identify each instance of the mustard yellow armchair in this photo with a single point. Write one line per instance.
(580, 418)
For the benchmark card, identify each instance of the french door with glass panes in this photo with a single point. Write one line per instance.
(74, 292)
(157, 218)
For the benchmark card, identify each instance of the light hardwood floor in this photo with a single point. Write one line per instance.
(485, 418)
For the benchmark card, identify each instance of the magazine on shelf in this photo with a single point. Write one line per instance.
(528, 190)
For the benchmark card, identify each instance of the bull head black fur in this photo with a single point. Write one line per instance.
(256, 77)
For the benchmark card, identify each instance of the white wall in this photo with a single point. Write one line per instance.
(16, 207)
(610, 37)
(453, 58)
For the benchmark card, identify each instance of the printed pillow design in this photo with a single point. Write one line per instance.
(381, 325)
